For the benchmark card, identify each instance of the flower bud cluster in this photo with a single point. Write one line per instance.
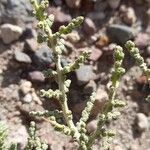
(71, 26)
(49, 73)
(46, 113)
(109, 113)
(134, 52)
(75, 65)
(51, 94)
(33, 141)
(81, 125)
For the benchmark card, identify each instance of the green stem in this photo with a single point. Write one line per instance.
(107, 107)
(61, 83)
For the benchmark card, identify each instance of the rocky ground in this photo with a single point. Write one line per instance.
(22, 60)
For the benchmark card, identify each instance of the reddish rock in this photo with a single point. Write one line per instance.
(142, 40)
(101, 97)
(91, 126)
(95, 53)
(36, 76)
(31, 45)
(142, 122)
(61, 18)
(142, 80)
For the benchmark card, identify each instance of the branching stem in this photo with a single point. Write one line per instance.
(61, 83)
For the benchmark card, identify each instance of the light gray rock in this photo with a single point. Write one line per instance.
(84, 74)
(22, 57)
(142, 40)
(142, 122)
(17, 134)
(10, 33)
(25, 86)
(15, 11)
(27, 98)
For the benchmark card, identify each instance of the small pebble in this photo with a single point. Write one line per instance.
(95, 54)
(117, 147)
(36, 76)
(101, 97)
(22, 57)
(84, 74)
(25, 86)
(61, 18)
(91, 126)
(31, 45)
(27, 98)
(142, 122)
(113, 3)
(102, 41)
(73, 37)
(10, 33)
(89, 26)
(128, 15)
(142, 40)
